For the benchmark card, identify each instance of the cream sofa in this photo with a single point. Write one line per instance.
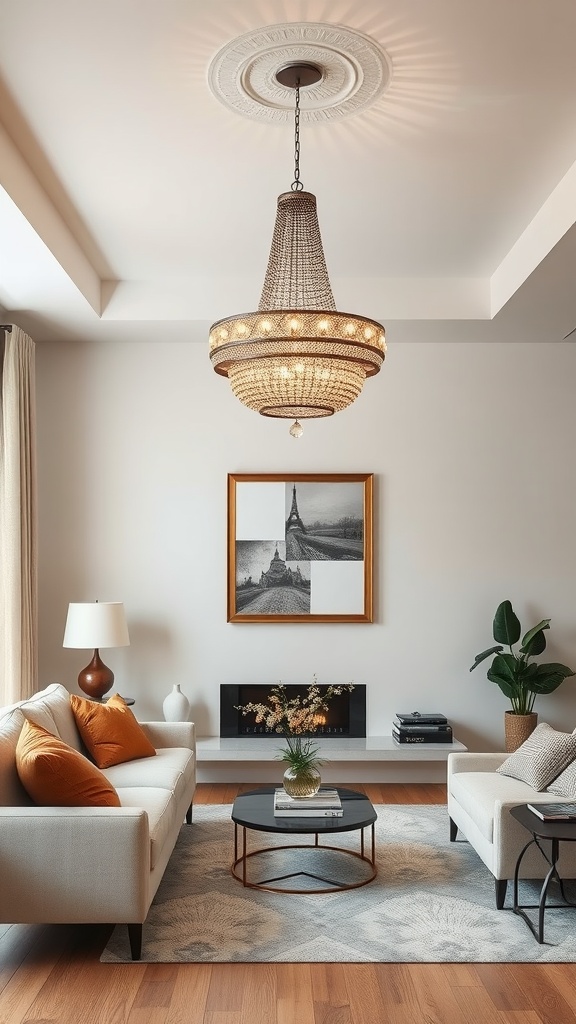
(91, 864)
(479, 802)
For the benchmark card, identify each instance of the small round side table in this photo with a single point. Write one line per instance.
(555, 832)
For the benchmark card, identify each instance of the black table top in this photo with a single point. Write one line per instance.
(544, 829)
(256, 810)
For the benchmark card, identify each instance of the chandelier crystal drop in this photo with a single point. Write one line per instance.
(297, 357)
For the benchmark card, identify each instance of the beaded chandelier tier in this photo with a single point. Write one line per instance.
(297, 357)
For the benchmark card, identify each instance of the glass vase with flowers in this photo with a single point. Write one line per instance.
(298, 719)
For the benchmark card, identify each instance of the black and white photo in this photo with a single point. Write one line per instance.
(300, 547)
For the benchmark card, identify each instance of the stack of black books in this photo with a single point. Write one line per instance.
(421, 727)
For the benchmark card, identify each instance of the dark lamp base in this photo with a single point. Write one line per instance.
(96, 679)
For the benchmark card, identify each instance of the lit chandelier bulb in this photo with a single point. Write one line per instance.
(296, 429)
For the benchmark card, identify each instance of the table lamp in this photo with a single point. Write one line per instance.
(96, 624)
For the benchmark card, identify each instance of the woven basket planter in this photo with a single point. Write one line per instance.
(517, 728)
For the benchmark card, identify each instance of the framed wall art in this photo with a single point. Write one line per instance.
(300, 547)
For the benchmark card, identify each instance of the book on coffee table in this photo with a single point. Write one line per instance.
(325, 803)
(554, 812)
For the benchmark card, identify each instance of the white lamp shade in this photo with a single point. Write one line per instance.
(96, 624)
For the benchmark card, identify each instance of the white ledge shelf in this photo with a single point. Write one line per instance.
(360, 750)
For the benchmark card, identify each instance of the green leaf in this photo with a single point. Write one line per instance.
(504, 672)
(507, 688)
(485, 654)
(547, 678)
(506, 666)
(534, 642)
(506, 627)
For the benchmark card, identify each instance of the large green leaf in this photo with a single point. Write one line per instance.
(504, 672)
(547, 678)
(506, 627)
(534, 642)
(509, 690)
(485, 654)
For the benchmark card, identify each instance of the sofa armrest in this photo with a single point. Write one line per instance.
(171, 734)
(74, 864)
(472, 762)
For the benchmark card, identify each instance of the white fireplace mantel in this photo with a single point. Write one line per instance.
(365, 759)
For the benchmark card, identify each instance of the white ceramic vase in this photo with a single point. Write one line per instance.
(176, 705)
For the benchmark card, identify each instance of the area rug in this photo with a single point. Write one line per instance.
(432, 902)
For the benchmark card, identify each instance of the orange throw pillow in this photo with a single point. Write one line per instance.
(55, 775)
(110, 731)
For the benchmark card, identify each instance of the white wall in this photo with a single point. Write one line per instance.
(475, 501)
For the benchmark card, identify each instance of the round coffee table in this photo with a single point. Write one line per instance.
(255, 812)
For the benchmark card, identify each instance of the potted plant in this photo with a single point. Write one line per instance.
(297, 719)
(520, 678)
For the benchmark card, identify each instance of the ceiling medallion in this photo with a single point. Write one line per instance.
(355, 71)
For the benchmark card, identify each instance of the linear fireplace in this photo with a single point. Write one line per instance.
(346, 715)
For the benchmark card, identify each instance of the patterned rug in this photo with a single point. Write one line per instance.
(432, 902)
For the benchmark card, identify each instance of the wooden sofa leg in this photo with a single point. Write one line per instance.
(189, 815)
(501, 886)
(135, 936)
(453, 830)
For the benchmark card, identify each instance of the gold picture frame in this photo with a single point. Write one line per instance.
(300, 547)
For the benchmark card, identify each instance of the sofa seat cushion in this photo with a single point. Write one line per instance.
(171, 769)
(160, 807)
(477, 793)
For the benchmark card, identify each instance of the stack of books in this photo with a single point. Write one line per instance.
(554, 812)
(421, 727)
(325, 804)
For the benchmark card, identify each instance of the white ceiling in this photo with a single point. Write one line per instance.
(131, 197)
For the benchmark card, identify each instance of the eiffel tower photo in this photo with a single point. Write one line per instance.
(294, 521)
(332, 527)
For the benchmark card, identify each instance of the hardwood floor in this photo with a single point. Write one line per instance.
(52, 975)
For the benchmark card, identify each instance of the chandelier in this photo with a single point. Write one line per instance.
(297, 357)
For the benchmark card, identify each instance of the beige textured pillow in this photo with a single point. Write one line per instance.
(541, 758)
(565, 784)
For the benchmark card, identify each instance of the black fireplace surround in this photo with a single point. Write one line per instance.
(346, 715)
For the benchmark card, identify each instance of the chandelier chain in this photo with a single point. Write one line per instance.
(297, 185)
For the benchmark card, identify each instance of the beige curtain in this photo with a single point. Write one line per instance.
(18, 529)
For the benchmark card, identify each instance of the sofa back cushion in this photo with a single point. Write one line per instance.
(56, 775)
(12, 792)
(50, 708)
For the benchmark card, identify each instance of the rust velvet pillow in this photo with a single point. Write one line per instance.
(110, 731)
(55, 775)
